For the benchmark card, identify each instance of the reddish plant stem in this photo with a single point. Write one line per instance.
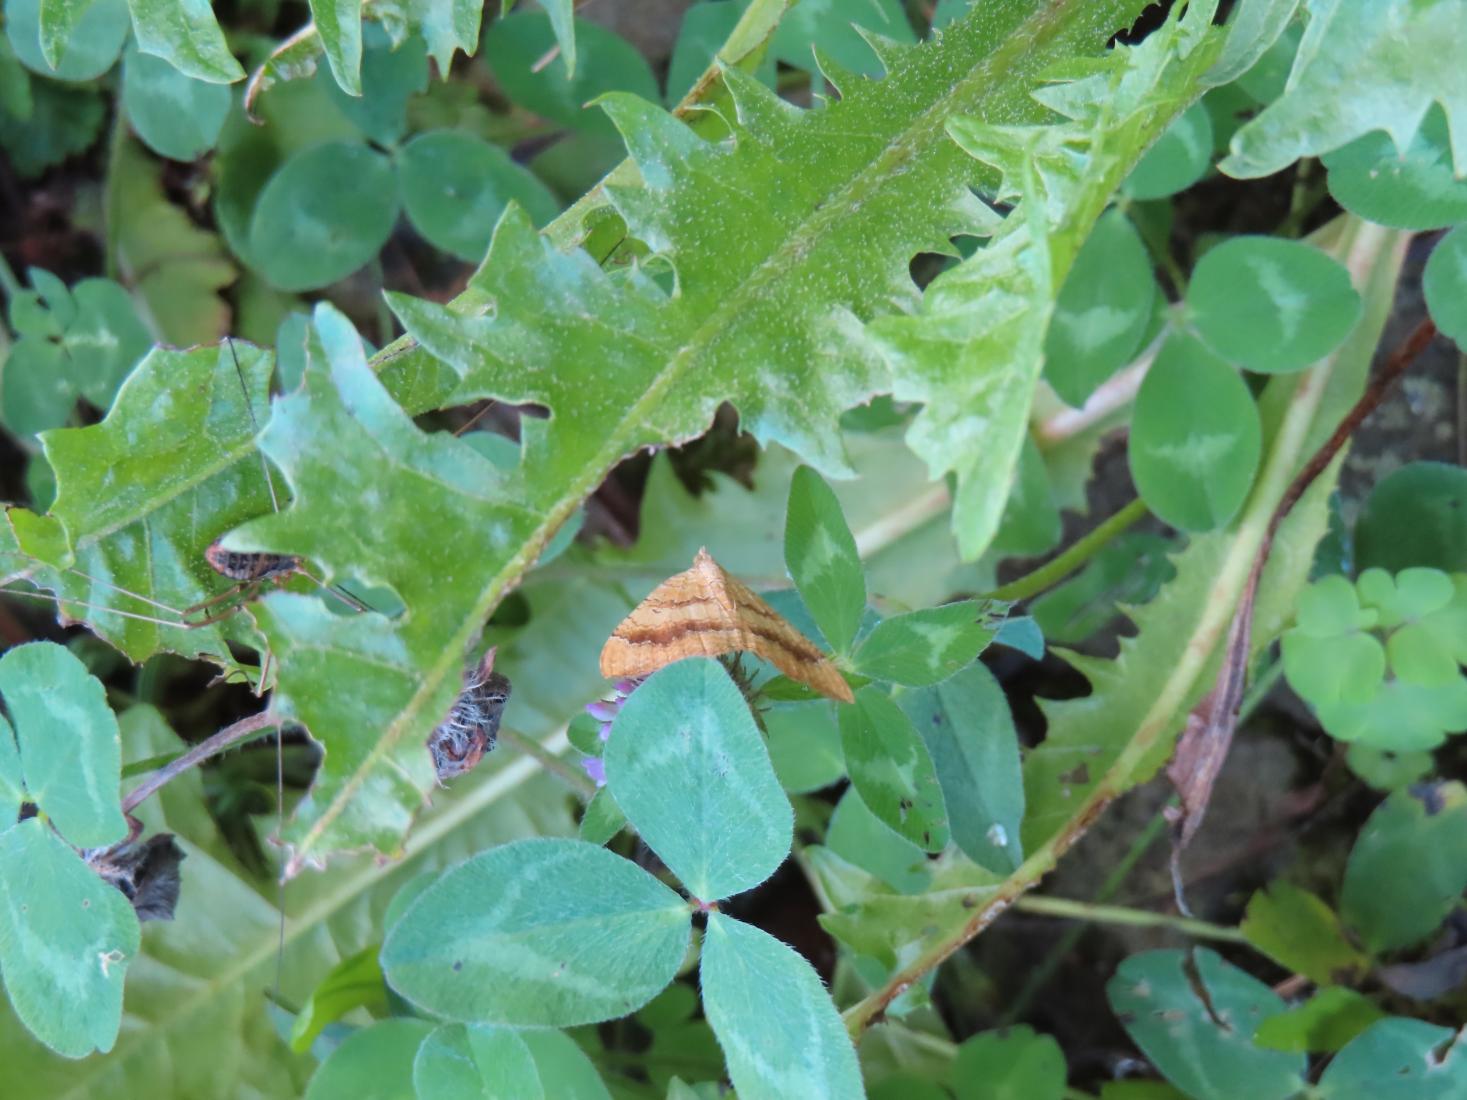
(988, 906)
(211, 746)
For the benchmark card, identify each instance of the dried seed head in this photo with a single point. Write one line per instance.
(472, 726)
(145, 871)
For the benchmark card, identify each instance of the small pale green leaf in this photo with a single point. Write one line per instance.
(602, 819)
(1348, 668)
(1322, 1024)
(1178, 159)
(1416, 189)
(324, 214)
(689, 769)
(1204, 1047)
(886, 926)
(1196, 437)
(820, 553)
(455, 186)
(1398, 1059)
(1022, 632)
(781, 1035)
(1395, 56)
(1408, 867)
(391, 75)
(921, 648)
(1445, 285)
(186, 35)
(891, 768)
(177, 116)
(804, 745)
(458, 1063)
(1254, 26)
(35, 393)
(1416, 515)
(1269, 76)
(375, 1063)
(1014, 1064)
(966, 724)
(68, 740)
(538, 933)
(67, 39)
(605, 62)
(1031, 523)
(858, 837)
(565, 1071)
(104, 341)
(1301, 933)
(448, 26)
(339, 23)
(177, 267)
(66, 939)
(61, 122)
(1271, 305)
(355, 982)
(1385, 770)
(1103, 310)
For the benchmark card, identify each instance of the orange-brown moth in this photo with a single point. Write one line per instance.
(704, 612)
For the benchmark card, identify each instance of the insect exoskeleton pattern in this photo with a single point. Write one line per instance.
(242, 565)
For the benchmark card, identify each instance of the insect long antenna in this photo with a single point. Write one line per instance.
(62, 601)
(336, 590)
(478, 416)
(280, 874)
(124, 591)
(249, 408)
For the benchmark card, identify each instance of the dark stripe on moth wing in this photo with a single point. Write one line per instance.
(666, 635)
(749, 603)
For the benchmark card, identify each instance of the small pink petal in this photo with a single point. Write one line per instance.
(596, 769)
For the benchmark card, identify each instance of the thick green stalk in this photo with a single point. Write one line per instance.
(1294, 441)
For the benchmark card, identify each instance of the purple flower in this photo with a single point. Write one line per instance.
(603, 710)
(596, 769)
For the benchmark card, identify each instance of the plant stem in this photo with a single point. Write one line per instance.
(1119, 914)
(1368, 248)
(1114, 394)
(211, 746)
(1061, 566)
(574, 777)
(1039, 977)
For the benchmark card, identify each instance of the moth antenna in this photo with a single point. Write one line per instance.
(249, 408)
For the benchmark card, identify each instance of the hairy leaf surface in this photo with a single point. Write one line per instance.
(1395, 56)
(143, 494)
(764, 311)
